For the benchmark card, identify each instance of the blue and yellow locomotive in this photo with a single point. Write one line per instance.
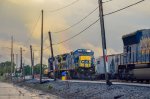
(77, 64)
(136, 56)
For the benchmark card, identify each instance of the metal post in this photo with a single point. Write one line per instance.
(41, 48)
(103, 39)
(52, 54)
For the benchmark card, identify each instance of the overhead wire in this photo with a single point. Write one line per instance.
(124, 8)
(77, 33)
(52, 11)
(107, 1)
(80, 20)
(77, 22)
(5, 47)
(34, 26)
(97, 21)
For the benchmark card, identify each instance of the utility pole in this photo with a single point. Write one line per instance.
(13, 68)
(11, 55)
(52, 54)
(31, 61)
(41, 49)
(101, 15)
(16, 61)
(21, 60)
(33, 64)
(23, 70)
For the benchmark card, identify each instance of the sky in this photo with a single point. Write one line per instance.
(22, 20)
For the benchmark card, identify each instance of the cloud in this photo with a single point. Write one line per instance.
(5, 51)
(98, 50)
(18, 18)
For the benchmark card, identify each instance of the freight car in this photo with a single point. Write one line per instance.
(77, 64)
(112, 66)
(134, 62)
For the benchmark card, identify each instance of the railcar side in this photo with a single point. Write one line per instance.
(136, 56)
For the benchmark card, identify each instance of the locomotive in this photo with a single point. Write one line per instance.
(77, 64)
(134, 62)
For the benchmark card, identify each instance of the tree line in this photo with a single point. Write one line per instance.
(5, 68)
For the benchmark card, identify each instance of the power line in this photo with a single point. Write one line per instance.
(72, 36)
(97, 21)
(93, 24)
(77, 33)
(77, 22)
(34, 26)
(46, 47)
(107, 1)
(124, 8)
(80, 20)
(43, 49)
(5, 47)
(9, 48)
(52, 11)
(36, 22)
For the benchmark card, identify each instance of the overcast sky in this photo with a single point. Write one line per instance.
(19, 18)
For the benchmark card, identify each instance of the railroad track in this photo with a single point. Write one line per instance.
(114, 82)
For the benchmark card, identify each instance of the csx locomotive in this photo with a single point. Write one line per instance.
(134, 62)
(77, 64)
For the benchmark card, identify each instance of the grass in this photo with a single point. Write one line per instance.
(4, 79)
(49, 87)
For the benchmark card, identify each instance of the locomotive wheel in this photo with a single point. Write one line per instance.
(147, 81)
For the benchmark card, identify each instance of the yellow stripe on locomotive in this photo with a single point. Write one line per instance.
(85, 61)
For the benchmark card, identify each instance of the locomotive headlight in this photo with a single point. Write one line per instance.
(91, 70)
(82, 70)
(88, 50)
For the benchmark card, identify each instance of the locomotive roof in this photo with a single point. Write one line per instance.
(83, 50)
(134, 38)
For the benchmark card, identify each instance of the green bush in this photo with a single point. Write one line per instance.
(49, 87)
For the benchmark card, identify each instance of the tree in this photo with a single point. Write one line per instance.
(36, 68)
(27, 70)
(5, 67)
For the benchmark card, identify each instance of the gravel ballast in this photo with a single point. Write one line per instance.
(76, 90)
